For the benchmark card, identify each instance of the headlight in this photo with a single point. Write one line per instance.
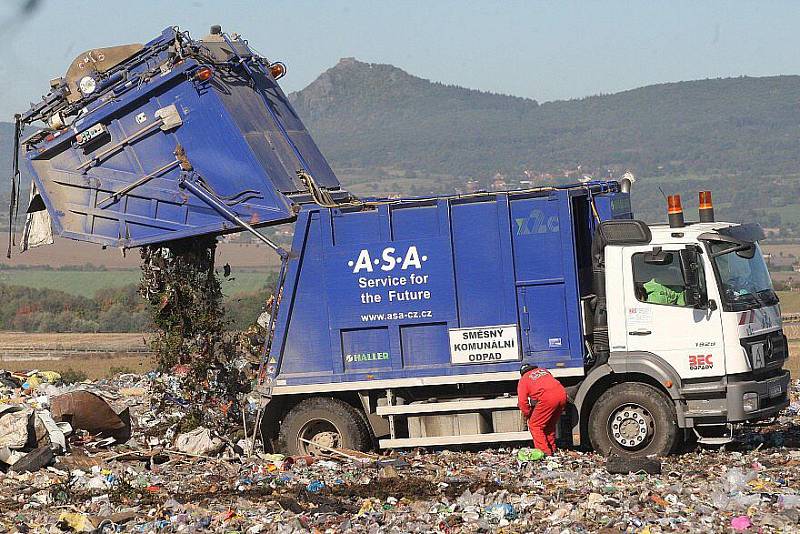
(87, 85)
(750, 402)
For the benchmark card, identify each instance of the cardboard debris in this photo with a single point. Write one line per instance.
(87, 411)
(14, 422)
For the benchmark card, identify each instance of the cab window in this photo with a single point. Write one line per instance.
(658, 279)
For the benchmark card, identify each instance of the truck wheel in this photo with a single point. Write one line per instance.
(326, 423)
(633, 420)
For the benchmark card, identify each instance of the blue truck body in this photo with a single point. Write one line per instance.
(376, 292)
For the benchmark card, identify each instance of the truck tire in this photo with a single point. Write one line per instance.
(633, 420)
(329, 422)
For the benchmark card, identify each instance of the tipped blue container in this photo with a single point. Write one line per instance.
(128, 124)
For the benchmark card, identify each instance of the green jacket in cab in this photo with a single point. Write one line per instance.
(658, 293)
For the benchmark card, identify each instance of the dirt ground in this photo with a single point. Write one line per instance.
(132, 342)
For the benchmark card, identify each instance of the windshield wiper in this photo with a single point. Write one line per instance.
(745, 298)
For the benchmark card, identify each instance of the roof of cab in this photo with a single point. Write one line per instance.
(663, 232)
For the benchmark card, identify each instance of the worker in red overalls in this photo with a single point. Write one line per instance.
(549, 398)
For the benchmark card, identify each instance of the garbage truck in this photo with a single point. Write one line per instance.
(404, 322)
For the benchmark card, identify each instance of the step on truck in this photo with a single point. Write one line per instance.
(404, 322)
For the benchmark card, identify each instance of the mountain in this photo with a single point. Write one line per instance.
(367, 114)
(740, 137)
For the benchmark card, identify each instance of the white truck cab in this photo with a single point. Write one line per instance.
(695, 307)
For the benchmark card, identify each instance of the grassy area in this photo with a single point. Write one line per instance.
(790, 301)
(793, 363)
(93, 366)
(86, 283)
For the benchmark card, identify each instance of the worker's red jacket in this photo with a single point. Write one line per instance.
(535, 385)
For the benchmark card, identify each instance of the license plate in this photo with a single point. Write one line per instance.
(758, 356)
(775, 391)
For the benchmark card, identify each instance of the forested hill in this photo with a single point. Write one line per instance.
(385, 130)
(367, 115)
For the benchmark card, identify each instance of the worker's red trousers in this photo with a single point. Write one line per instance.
(544, 419)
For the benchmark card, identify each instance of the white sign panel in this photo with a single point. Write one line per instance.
(484, 344)
(640, 317)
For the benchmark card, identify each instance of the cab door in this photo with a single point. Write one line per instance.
(659, 320)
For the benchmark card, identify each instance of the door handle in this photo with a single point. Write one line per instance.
(640, 333)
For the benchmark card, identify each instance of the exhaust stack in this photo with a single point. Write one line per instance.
(626, 182)
(675, 211)
(706, 207)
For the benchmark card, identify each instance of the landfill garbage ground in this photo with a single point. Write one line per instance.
(127, 465)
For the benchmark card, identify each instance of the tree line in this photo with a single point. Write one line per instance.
(121, 309)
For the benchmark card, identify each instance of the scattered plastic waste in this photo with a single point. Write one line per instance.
(530, 455)
(315, 486)
(741, 522)
(149, 484)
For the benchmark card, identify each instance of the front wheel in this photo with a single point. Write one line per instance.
(319, 424)
(633, 420)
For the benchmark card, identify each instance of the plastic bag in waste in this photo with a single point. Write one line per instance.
(529, 455)
(741, 522)
(736, 480)
(789, 502)
(77, 522)
(199, 442)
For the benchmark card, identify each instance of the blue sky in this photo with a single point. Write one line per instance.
(541, 50)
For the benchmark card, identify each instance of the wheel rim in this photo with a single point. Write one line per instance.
(322, 434)
(631, 426)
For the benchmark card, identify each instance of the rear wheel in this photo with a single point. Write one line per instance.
(317, 424)
(633, 420)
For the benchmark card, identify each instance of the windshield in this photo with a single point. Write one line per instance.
(744, 282)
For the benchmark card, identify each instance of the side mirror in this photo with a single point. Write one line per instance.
(747, 252)
(695, 292)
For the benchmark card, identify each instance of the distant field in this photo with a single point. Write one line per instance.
(93, 365)
(70, 342)
(790, 301)
(788, 249)
(793, 363)
(67, 253)
(86, 283)
(97, 355)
